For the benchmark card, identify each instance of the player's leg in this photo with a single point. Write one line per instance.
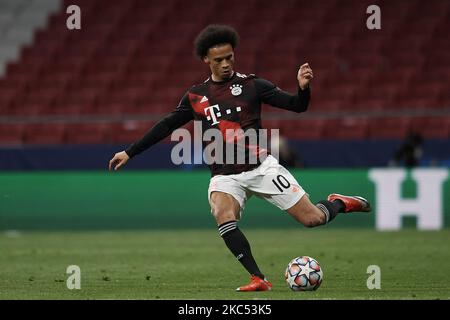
(226, 210)
(276, 184)
(326, 210)
(224, 207)
(310, 215)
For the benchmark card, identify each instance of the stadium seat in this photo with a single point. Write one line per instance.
(444, 99)
(127, 62)
(11, 134)
(303, 129)
(64, 107)
(129, 131)
(45, 133)
(340, 94)
(388, 128)
(419, 96)
(432, 128)
(349, 128)
(7, 97)
(87, 133)
(375, 97)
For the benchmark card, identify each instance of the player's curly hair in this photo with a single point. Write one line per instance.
(213, 35)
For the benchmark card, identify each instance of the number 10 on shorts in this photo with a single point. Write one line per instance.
(281, 182)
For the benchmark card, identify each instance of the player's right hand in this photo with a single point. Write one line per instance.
(305, 75)
(119, 160)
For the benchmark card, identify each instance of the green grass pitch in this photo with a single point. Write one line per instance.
(196, 264)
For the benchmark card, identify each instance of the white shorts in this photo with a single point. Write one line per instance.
(270, 181)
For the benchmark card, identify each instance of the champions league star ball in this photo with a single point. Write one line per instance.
(304, 274)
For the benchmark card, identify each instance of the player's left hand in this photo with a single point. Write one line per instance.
(304, 75)
(119, 160)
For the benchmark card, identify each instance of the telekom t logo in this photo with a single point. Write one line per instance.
(210, 114)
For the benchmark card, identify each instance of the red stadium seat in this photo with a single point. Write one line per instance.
(63, 106)
(87, 133)
(349, 128)
(398, 78)
(432, 128)
(45, 133)
(405, 59)
(7, 97)
(135, 58)
(303, 129)
(358, 77)
(378, 96)
(389, 128)
(419, 96)
(333, 97)
(26, 69)
(11, 134)
(444, 99)
(130, 131)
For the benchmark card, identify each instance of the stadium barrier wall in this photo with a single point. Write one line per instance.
(339, 154)
(105, 200)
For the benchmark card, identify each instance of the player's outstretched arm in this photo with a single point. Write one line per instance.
(119, 160)
(274, 96)
(158, 132)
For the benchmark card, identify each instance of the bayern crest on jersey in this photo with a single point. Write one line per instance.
(236, 89)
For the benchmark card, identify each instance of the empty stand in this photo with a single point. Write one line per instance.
(49, 133)
(304, 129)
(388, 128)
(350, 128)
(135, 58)
(129, 131)
(87, 133)
(431, 128)
(11, 134)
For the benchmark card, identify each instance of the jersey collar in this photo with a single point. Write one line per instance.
(224, 81)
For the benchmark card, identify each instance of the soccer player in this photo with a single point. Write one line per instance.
(230, 100)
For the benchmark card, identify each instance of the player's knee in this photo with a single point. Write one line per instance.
(307, 213)
(312, 222)
(310, 218)
(223, 215)
(318, 218)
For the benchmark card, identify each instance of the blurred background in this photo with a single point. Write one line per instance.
(70, 99)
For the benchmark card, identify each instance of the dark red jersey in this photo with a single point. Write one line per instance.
(231, 104)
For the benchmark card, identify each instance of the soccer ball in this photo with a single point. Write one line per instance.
(303, 274)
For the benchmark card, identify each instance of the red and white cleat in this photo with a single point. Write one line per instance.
(256, 284)
(352, 203)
